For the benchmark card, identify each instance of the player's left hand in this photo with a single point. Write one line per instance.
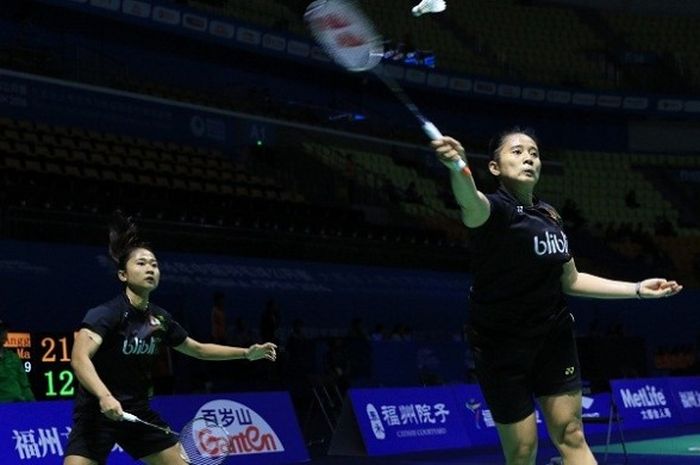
(655, 288)
(259, 351)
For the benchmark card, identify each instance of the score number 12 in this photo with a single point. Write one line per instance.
(65, 377)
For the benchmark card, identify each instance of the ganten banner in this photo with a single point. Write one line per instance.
(261, 427)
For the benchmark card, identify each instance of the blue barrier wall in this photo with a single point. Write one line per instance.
(48, 287)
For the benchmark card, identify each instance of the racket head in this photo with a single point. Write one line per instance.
(345, 34)
(204, 442)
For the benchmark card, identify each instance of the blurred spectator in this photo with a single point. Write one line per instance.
(239, 334)
(336, 362)
(14, 384)
(571, 215)
(218, 319)
(663, 227)
(378, 334)
(389, 192)
(401, 332)
(297, 340)
(631, 199)
(412, 195)
(270, 322)
(357, 329)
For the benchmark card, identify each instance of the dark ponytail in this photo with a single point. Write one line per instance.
(123, 239)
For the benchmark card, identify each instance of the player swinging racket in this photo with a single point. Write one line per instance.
(112, 358)
(519, 327)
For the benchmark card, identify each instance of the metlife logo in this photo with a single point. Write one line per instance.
(645, 402)
(646, 396)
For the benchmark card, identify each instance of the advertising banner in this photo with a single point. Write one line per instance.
(596, 412)
(394, 421)
(262, 427)
(686, 394)
(645, 403)
(476, 415)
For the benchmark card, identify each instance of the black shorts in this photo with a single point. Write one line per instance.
(511, 373)
(94, 435)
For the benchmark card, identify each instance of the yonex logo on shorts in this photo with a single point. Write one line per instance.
(569, 371)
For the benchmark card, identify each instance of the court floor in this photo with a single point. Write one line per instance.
(674, 449)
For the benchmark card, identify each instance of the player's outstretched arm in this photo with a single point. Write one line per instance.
(474, 205)
(207, 351)
(588, 285)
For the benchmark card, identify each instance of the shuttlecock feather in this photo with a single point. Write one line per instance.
(429, 6)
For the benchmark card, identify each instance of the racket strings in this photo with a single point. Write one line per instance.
(204, 442)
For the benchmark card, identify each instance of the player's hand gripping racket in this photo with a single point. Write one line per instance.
(202, 441)
(350, 38)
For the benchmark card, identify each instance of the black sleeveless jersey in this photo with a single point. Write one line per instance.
(517, 261)
(131, 339)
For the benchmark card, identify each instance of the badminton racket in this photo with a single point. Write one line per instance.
(202, 441)
(346, 34)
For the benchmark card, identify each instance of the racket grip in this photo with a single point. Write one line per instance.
(458, 165)
(431, 130)
(129, 417)
(434, 133)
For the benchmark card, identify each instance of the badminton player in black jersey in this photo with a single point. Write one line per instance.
(520, 329)
(113, 355)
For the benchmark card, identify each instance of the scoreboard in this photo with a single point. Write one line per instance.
(46, 359)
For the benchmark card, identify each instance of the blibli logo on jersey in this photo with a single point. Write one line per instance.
(551, 244)
(138, 346)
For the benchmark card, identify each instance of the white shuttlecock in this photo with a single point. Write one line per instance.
(429, 6)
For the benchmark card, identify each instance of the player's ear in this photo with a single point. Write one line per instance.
(494, 168)
(121, 274)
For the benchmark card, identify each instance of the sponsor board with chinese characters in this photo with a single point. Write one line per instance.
(408, 419)
(261, 428)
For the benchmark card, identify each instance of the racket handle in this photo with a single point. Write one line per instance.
(457, 165)
(431, 130)
(129, 417)
(434, 133)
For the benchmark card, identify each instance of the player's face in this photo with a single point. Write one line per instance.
(142, 272)
(519, 160)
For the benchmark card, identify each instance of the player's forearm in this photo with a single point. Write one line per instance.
(207, 351)
(85, 371)
(474, 206)
(588, 285)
